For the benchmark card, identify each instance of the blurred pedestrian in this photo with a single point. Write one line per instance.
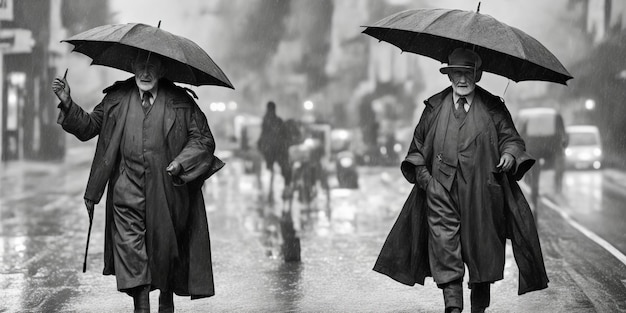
(154, 151)
(274, 146)
(543, 131)
(464, 160)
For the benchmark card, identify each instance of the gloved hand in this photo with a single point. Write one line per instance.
(422, 176)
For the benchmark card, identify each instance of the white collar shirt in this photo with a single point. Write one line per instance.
(153, 92)
(469, 98)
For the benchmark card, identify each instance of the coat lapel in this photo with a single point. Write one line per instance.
(444, 119)
(108, 145)
(477, 120)
(169, 117)
(115, 110)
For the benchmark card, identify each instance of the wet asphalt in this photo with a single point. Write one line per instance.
(43, 229)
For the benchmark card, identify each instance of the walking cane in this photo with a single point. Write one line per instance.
(87, 246)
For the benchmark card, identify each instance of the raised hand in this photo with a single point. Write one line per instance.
(62, 89)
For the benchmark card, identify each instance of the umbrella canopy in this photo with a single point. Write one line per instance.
(117, 45)
(504, 50)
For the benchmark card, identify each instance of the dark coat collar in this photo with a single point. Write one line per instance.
(168, 90)
(488, 99)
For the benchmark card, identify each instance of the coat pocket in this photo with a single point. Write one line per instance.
(446, 169)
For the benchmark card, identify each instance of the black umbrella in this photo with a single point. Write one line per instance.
(117, 45)
(504, 50)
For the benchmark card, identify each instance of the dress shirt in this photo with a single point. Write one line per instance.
(467, 105)
(153, 92)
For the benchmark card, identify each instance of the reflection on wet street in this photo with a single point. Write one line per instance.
(584, 188)
(40, 235)
(595, 199)
(270, 257)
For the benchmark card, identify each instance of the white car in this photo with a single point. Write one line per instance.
(585, 147)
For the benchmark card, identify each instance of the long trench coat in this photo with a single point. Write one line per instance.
(188, 141)
(404, 255)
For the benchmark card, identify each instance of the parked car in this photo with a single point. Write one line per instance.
(585, 147)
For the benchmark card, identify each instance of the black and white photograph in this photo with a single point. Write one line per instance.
(312, 156)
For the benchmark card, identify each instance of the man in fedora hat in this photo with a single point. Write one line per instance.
(464, 160)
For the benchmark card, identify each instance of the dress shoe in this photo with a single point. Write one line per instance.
(141, 299)
(166, 302)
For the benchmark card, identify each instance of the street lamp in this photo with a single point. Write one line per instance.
(308, 105)
(590, 104)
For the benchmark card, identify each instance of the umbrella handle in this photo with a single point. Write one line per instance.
(87, 246)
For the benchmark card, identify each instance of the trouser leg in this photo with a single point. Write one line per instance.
(444, 243)
(285, 170)
(480, 297)
(129, 252)
(452, 295)
(166, 301)
(141, 299)
(559, 169)
(444, 238)
(534, 173)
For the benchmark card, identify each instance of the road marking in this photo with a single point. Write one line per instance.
(591, 235)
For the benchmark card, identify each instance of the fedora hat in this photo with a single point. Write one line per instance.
(462, 58)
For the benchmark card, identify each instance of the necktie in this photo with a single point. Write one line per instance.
(145, 102)
(460, 110)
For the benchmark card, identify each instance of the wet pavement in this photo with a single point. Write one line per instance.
(43, 226)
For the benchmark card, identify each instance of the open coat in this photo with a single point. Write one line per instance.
(404, 255)
(188, 141)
